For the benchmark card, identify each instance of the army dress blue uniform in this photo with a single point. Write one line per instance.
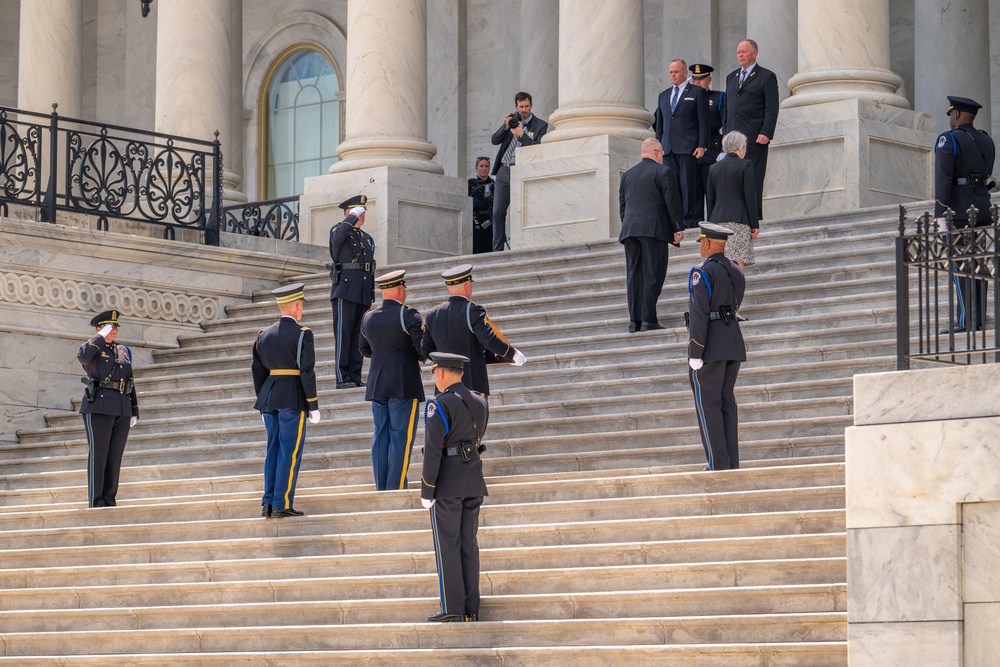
(353, 253)
(391, 337)
(716, 98)
(108, 406)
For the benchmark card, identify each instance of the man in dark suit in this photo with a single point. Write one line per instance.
(459, 326)
(651, 213)
(353, 275)
(390, 337)
(519, 128)
(963, 163)
(701, 76)
(681, 124)
(284, 379)
(452, 485)
(751, 107)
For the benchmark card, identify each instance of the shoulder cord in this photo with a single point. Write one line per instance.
(479, 434)
(982, 155)
(298, 350)
(728, 275)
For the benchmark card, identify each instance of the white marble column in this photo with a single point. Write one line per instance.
(194, 76)
(386, 87)
(952, 57)
(773, 24)
(540, 55)
(50, 55)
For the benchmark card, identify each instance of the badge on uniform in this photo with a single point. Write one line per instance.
(941, 141)
(431, 409)
(696, 277)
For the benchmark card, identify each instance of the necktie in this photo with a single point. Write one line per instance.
(673, 100)
(743, 77)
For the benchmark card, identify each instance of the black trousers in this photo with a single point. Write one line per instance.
(501, 202)
(645, 270)
(106, 436)
(347, 331)
(970, 304)
(688, 174)
(482, 237)
(757, 153)
(455, 522)
(715, 405)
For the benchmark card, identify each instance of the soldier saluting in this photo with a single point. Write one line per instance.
(353, 275)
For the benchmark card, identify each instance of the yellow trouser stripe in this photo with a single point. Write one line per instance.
(295, 458)
(411, 430)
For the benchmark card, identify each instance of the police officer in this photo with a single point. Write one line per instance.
(701, 75)
(353, 275)
(481, 191)
(284, 379)
(452, 485)
(963, 164)
(716, 348)
(390, 337)
(109, 408)
(459, 326)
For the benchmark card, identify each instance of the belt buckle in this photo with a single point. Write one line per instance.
(368, 266)
(121, 386)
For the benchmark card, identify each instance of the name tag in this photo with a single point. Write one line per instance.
(688, 99)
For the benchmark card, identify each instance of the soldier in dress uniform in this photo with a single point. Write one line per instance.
(716, 348)
(109, 408)
(963, 164)
(391, 336)
(701, 75)
(353, 275)
(459, 326)
(284, 379)
(452, 485)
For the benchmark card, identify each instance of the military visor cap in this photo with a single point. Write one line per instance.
(289, 293)
(699, 71)
(963, 104)
(457, 274)
(107, 317)
(391, 279)
(359, 200)
(710, 230)
(448, 360)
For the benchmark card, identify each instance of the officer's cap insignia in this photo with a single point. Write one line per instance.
(696, 278)
(941, 141)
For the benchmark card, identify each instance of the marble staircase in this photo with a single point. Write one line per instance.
(603, 542)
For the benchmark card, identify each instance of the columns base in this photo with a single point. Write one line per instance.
(567, 191)
(403, 153)
(412, 215)
(845, 155)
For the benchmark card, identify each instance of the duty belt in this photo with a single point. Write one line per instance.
(975, 180)
(457, 451)
(357, 266)
(117, 385)
(714, 315)
(284, 371)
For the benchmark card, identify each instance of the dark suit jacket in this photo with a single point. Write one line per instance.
(732, 191)
(108, 361)
(276, 347)
(649, 202)
(716, 282)
(455, 415)
(958, 153)
(752, 109)
(534, 130)
(390, 337)
(687, 128)
(459, 326)
(351, 245)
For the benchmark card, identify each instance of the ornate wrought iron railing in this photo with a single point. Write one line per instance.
(58, 164)
(938, 263)
(273, 218)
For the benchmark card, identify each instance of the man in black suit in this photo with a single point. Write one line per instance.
(519, 128)
(681, 123)
(353, 275)
(390, 337)
(650, 208)
(701, 75)
(752, 108)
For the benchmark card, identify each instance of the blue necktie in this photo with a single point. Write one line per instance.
(673, 100)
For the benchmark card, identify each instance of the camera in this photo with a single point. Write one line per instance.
(514, 120)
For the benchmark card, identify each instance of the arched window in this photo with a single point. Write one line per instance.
(303, 121)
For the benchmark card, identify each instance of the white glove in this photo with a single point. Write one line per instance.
(357, 211)
(696, 364)
(105, 330)
(132, 421)
(942, 223)
(314, 416)
(428, 503)
(519, 358)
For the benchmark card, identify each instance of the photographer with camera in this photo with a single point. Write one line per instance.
(481, 191)
(519, 128)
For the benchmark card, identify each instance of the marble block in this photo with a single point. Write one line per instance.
(981, 552)
(982, 641)
(412, 215)
(567, 191)
(905, 644)
(917, 395)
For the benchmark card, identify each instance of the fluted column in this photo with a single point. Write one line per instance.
(773, 24)
(844, 54)
(50, 51)
(194, 75)
(386, 87)
(540, 54)
(600, 71)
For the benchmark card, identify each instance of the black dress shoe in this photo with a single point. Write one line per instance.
(650, 326)
(471, 618)
(265, 510)
(632, 327)
(288, 512)
(360, 383)
(442, 617)
(347, 385)
(946, 330)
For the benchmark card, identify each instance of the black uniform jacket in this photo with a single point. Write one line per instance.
(112, 362)
(275, 351)
(959, 153)
(482, 204)
(731, 191)
(687, 127)
(534, 130)
(391, 337)
(715, 283)
(459, 326)
(752, 109)
(715, 104)
(351, 245)
(447, 422)
(649, 202)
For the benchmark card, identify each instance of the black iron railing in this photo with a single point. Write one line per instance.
(944, 268)
(58, 164)
(273, 218)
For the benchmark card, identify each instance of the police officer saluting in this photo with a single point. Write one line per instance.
(452, 485)
(109, 408)
(353, 275)
(390, 336)
(716, 348)
(963, 163)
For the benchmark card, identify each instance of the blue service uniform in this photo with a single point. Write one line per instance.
(353, 253)
(456, 415)
(716, 285)
(391, 337)
(705, 162)
(963, 157)
(107, 415)
(284, 379)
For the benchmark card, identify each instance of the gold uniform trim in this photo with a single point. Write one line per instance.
(284, 371)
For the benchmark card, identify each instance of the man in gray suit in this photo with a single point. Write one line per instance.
(649, 203)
